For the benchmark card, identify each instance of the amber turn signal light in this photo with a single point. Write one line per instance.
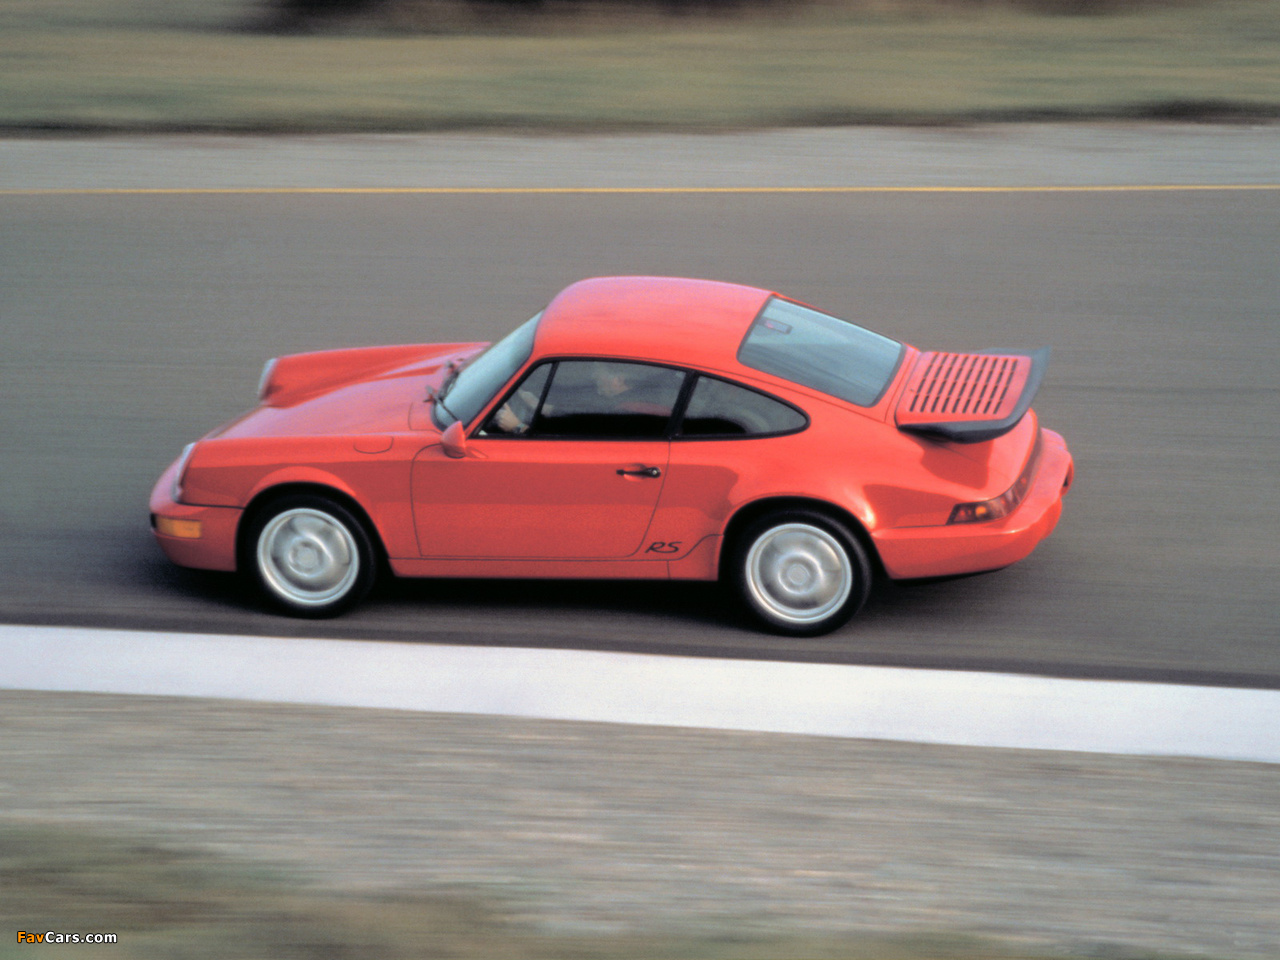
(182, 529)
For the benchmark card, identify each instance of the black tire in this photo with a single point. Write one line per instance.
(309, 556)
(799, 572)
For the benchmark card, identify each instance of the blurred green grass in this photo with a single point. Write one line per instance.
(191, 65)
(164, 903)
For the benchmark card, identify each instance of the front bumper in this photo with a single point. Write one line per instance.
(914, 552)
(192, 536)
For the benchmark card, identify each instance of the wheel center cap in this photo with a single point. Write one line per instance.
(306, 558)
(799, 575)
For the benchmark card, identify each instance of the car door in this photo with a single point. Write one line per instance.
(569, 465)
(732, 441)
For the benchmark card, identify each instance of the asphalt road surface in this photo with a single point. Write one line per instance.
(130, 324)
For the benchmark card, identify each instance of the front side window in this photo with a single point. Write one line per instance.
(515, 415)
(590, 399)
(474, 385)
(826, 353)
(721, 409)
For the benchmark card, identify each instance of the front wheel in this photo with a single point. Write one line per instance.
(310, 556)
(800, 572)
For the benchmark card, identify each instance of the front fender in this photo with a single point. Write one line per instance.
(300, 475)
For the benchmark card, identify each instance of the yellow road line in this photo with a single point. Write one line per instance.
(460, 191)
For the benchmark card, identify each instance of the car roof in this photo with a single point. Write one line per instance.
(664, 319)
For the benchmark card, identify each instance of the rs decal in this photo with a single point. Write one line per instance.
(664, 546)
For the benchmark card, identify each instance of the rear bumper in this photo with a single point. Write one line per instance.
(914, 552)
(191, 536)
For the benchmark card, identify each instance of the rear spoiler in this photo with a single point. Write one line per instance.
(969, 397)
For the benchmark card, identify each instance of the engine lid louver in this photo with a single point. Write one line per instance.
(969, 397)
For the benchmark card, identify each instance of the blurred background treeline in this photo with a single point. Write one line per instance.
(410, 65)
(431, 15)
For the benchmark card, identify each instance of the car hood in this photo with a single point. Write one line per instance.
(344, 392)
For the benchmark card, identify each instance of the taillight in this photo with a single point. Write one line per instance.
(993, 509)
(1006, 503)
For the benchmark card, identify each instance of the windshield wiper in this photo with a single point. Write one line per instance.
(454, 367)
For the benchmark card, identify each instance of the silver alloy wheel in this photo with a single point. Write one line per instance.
(799, 573)
(308, 557)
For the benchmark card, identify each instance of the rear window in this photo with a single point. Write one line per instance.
(816, 350)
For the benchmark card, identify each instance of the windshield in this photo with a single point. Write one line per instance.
(474, 385)
(816, 350)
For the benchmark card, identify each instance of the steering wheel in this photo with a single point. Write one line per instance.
(519, 407)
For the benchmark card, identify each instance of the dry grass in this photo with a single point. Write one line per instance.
(162, 902)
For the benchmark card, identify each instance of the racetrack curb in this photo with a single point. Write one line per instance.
(876, 703)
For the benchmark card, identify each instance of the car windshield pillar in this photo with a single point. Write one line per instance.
(472, 387)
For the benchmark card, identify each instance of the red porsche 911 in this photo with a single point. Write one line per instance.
(638, 427)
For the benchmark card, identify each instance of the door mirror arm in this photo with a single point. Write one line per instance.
(454, 440)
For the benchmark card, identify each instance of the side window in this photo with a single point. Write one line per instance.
(610, 399)
(515, 416)
(721, 409)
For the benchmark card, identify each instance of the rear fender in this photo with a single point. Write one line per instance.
(749, 512)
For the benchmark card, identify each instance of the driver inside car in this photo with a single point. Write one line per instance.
(612, 384)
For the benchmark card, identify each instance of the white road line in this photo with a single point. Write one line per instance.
(881, 703)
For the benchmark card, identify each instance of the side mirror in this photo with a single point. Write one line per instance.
(454, 440)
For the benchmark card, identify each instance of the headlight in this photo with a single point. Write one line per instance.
(264, 381)
(175, 492)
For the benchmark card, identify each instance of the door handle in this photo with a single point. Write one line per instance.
(641, 472)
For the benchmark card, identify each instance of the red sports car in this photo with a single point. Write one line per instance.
(638, 427)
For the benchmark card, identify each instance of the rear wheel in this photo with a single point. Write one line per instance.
(310, 556)
(800, 572)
